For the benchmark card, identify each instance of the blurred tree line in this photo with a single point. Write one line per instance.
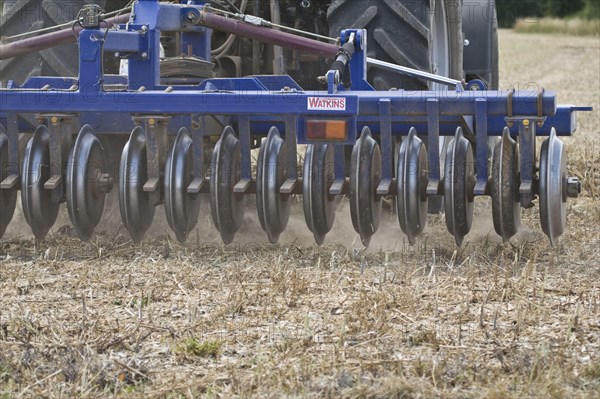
(509, 11)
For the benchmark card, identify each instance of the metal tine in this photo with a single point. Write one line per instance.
(433, 136)
(339, 184)
(481, 186)
(198, 149)
(246, 173)
(387, 174)
(291, 134)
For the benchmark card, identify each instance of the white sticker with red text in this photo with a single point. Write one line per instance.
(326, 103)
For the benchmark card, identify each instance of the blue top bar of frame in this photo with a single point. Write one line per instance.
(261, 102)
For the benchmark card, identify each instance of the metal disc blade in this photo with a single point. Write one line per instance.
(39, 210)
(459, 181)
(137, 208)
(411, 181)
(226, 207)
(365, 175)
(273, 207)
(319, 206)
(506, 208)
(85, 201)
(181, 208)
(553, 176)
(8, 198)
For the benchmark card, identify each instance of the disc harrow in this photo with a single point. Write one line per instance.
(182, 208)
(272, 204)
(459, 182)
(227, 207)
(319, 205)
(394, 138)
(137, 205)
(365, 174)
(37, 197)
(87, 183)
(411, 185)
(8, 198)
(506, 208)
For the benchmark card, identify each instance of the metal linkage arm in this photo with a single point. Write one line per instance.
(199, 16)
(415, 73)
(202, 17)
(48, 40)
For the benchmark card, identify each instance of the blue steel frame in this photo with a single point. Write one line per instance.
(258, 102)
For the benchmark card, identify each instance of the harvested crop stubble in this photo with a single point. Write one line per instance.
(159, 319)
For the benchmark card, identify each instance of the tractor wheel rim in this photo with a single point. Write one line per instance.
(440, 46)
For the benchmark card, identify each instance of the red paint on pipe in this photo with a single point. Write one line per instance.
(267, 35)
(209, 20)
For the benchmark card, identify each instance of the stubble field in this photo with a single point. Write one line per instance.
(495, 320)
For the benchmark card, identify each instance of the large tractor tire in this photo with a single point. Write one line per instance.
(20, 16)
(420, 34)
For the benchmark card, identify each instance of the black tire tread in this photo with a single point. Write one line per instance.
(398, 32)
(19, 16)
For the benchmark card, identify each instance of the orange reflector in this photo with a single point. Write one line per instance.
(327, 130)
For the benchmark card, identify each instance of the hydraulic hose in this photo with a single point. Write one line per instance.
(49, 40)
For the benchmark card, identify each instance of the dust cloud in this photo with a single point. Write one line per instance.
(389, 236)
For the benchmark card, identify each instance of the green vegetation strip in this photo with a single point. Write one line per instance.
(572, 26)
